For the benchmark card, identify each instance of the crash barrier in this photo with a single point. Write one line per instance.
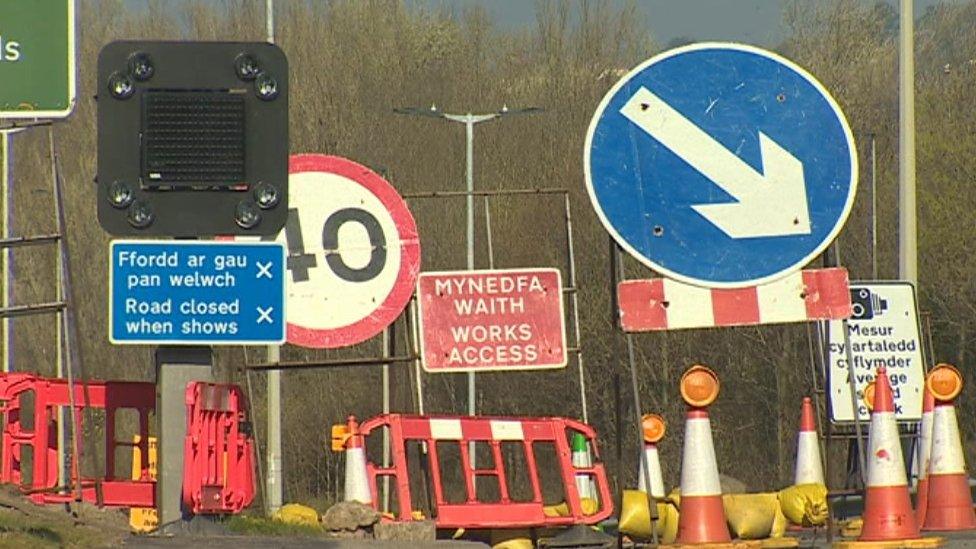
(218, 462)
(31, 429)
(218, 457)
(509, 440)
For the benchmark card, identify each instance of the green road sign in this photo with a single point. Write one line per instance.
(37, 58)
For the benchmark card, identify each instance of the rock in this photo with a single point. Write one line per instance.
(415, 530)
(349, 516)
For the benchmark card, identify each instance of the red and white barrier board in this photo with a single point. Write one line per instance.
(664, 304)
(491, 320)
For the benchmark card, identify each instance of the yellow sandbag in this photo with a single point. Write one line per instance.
(295, 513)
(514, 543)
(779, 523)
(634, 515)
(805, 504)
(671, 520)
(750, 516)
(511, 539)
(851, 528)
(674, 497)
(589, 507)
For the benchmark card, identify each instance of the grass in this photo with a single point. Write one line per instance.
(262, 526)
(19, 530)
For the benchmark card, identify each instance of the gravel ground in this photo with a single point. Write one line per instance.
(237, 542)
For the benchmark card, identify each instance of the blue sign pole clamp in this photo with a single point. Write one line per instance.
(721, 165)
(197, 292)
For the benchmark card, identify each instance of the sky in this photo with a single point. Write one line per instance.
(754, 22)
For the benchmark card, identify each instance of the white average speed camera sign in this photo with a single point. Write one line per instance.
(353, 252)
(883, 331)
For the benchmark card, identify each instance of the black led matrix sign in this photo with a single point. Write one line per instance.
(192, 138)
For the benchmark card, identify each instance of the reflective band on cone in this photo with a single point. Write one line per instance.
(809, 467)
(950, 503)
(702, 516)
(923, 453)
(888, 513)
(654, 464)
(356, 487)
(581, 458)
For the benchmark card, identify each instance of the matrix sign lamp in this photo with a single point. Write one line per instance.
(192, 138)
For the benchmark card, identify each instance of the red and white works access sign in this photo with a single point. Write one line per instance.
(491, 320)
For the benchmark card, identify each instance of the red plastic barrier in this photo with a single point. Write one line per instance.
(39, 434)
(218, 467)
(15, 436)
(504, 512)
(218, 457)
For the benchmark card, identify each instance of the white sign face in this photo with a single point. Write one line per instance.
(353, 252)
(883, 331)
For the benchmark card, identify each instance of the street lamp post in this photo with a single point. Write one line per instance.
(469, 120)
(907, 209)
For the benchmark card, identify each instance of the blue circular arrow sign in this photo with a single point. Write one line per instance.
(721, 165)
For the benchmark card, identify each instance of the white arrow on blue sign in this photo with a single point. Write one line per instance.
(195, 293)
(721, 165)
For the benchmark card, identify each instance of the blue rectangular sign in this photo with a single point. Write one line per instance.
(196, 293)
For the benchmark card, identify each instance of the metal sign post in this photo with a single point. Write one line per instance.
(907, 206)
(6, 169)
(275, 465)
(616, 274)
(275, 478)
(469, 120)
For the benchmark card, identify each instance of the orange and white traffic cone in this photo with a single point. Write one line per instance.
(950, 503)
(888, 513)
(654, 427)
(809, 467)
(347, 438)
(922, 456)
(702, 515)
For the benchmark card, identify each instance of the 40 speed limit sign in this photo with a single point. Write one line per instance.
(353, 252)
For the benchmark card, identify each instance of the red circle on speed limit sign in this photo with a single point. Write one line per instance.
(353, 252)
